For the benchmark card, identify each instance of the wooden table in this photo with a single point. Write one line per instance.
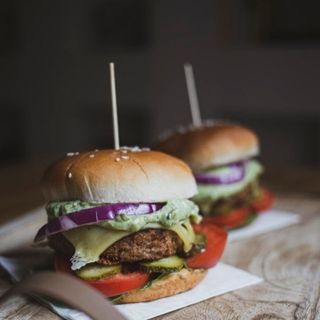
(288, 260)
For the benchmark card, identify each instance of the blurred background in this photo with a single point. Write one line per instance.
(255, 61)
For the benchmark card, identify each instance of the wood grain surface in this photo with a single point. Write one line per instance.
(288, 260)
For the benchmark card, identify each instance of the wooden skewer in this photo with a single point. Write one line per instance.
(114, 107)
(192, 93)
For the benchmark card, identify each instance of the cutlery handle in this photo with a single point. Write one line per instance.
(69, 290)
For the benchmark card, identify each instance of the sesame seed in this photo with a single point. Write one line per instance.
(70, 154)
(91, 156)
(118, 159)
(126, 149)
(96, 150)
(125, 157)
(69, 175)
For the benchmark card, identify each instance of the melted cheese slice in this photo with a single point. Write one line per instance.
(185, 233)
(91, 241)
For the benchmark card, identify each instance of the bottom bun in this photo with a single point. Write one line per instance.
(170, 285)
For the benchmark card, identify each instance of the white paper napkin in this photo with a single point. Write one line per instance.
(219, 280)
(265, 222)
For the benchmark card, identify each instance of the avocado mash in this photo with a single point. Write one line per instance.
(171, 213)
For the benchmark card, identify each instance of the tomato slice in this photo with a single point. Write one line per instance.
(264, 202)
(216, 241)
(238, 217)
(233, 219)
(110, 286)
(120, 283)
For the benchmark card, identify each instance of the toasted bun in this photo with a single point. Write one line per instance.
(127, 175)
(211, 145)
(174, 283)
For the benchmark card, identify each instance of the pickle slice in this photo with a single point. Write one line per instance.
(96, 271)
(199, 243)
(169, 264)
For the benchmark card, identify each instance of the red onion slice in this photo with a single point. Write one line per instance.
(94, 215)
(235, 174)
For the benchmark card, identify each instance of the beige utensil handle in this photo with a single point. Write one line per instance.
(69, 290)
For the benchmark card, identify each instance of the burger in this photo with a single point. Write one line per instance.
(121, 220)
(221, 156)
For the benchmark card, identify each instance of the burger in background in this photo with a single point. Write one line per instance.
(121, 221)
(221, 156)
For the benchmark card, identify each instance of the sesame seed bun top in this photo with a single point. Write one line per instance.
(127, 175)
(210, 145)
